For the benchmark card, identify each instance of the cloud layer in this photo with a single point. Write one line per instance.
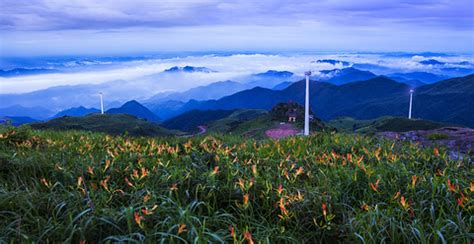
(59, 27)
(146, 77)
(113, 14)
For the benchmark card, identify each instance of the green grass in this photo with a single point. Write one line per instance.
(387, 123)
(437, 136)
(253, 128)
(330, 187)
(114, 124)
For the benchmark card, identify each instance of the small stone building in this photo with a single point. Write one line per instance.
(292, 115)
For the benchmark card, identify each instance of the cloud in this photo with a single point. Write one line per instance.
(110, 27)
(113, 14)
(145, 77)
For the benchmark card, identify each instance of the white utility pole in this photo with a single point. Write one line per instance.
(101, 103)
(306, 105)
(411, 103)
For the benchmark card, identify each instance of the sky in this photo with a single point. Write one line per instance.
(120, 27)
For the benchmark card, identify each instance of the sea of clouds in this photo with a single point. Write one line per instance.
(142, 78)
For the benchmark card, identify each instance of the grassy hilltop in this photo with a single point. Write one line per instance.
(332, 187)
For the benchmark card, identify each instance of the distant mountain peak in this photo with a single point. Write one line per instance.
(189, 69)
(135, 108)
(424, 77)
(132, 103)
(431, 62)
(76, 111)
(273, 73)
(332, 61)
(346, 75)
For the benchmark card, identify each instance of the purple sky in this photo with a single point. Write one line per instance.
(69, 27)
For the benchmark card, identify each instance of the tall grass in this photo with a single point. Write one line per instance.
(79, 186)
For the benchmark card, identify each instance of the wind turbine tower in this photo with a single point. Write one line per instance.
(101, 103)
(411, 103)
(306, 105)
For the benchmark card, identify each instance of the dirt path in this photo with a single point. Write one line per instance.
(281, 131)
(202, 130)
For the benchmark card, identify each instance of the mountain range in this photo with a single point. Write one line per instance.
(421, 77)
(212, 91)
(331, 61)
(136, 109)
(190, 120)
(35, 112)
(16, 120)
(77, 111)
(345, 92)
(189, 69)
(346, 75)
(446, 101)
(23, 71)
(115, 124)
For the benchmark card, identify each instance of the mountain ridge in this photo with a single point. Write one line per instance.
(136, 109)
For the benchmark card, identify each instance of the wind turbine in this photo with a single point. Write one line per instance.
(101, 103)
(411, 103)
(306, 104)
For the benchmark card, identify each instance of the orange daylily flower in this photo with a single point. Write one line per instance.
(107, 165)
(241, 184)
(146, 198)
(365, 207)
(471, 187)
(251, 182)
(232, 230)
(79, 181)
(45, 182)
(58, 167)
(377, 153)
(182, 228)
(246, 199)
(215, 171)
(254, 169)
(375, 186)
(324, 207)
(103, 183)
(135, 174)
(248, 237)
(299, 196)
(279, 190)
(413, 180)
(461, 200)
(404, 203)
(283, 209)
(138, 218)
(360, 160)
(452, 187)
(349, 157)
(145, 211)
(436, 151)
(144, 173)
(90, 170)
(174, 187)
(128, 182)
(299, 171)
(397, 195)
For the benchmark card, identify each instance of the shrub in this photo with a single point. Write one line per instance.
(437, 136)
